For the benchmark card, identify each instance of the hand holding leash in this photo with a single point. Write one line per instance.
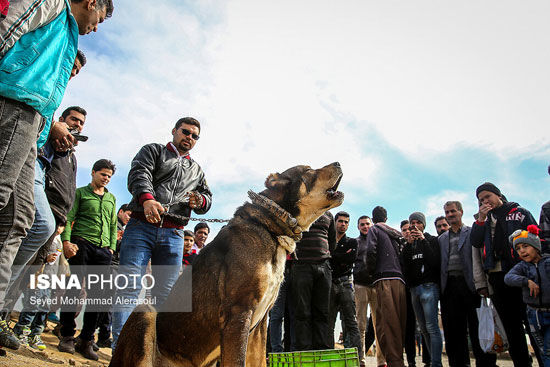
(195, 199)
(153, 210)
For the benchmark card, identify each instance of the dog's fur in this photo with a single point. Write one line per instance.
(236, 279)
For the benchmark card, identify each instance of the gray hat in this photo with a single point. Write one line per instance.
(530, 237)
(419, 217)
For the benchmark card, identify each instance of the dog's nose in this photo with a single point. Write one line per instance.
(337, 164)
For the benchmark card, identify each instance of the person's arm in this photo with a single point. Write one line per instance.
(25, 16)
(371, 251)
(66, 235)
(114, 229)
(477, 234)
(516, 276)
(204, 191)
(331, 233)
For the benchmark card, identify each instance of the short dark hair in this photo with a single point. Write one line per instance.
(188, 233)
(341, 214)
(107, 4)
(188, 121)
(458, 205)
(78, 109)
(440, 218)
(104, 163)
(379, 214)
(403, 222)
(362, 217)
(124, 208)
(201, 225)
(81, 57)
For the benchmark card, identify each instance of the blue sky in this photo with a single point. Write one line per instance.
(420, 102)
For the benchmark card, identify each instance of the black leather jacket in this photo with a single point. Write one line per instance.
(158, 171)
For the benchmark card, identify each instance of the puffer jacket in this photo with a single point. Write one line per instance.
(160, 172)
(538, 273)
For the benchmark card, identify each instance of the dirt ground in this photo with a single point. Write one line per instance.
(28, 357)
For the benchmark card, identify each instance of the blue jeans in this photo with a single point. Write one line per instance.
(539, 322)
(143, 242)
(424, 300)
(42, 228)
(277, 315)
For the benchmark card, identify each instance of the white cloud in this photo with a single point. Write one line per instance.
(283, 83)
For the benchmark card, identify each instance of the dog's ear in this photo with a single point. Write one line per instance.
(275, 180)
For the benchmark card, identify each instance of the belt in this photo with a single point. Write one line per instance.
(541, 309)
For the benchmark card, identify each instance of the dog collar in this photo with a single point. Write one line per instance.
(279, 213)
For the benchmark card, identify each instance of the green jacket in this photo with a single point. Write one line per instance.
(92, 218)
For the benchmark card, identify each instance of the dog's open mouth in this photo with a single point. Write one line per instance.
(332, 193)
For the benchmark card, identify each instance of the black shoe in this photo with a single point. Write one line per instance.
(66, 344)
(7, 338)
(105, 343)
(86, 348)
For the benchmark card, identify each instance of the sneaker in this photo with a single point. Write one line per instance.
(66, 344)
(23, 337)
(7, 338)
(85, 347)
(105, 343)
(36, 342)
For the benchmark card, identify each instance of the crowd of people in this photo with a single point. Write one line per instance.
(410, 278)
(405, 276)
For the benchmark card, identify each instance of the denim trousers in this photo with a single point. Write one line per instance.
(143, 242)
(42, 228)
(424, 301)
(19, 128)
(277, 315)
(342, 298)
(32, 316)
(539, 322)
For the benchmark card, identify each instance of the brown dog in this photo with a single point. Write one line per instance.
(236, 279)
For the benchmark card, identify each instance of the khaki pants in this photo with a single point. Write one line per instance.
(391, 316)
(365, 296)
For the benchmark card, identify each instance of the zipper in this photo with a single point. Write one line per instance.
(540, 288)
(178, 174)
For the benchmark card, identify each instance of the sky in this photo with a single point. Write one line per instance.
(419, 101)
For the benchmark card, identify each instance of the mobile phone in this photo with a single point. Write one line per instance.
(79, 137)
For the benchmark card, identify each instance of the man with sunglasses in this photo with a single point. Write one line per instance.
(166, 184)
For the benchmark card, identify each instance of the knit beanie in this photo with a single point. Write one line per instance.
(419, 217)
(530, 237)
(487, 186)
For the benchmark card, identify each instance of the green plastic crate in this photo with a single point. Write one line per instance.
(316, 358)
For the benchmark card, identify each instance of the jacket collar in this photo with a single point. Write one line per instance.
(171, 147)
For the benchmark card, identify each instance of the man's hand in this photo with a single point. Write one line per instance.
(484, 292)
(195, 200)
(61, 138)
(51, 257)
(119, 235)
(69, 249)
(152, 209)
(483, 210)
(416, 234)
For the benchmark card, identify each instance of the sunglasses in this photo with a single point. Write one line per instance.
(187, 133)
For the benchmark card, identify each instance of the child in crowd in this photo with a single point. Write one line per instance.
(32, 318)
(188, 253)
(533, 275)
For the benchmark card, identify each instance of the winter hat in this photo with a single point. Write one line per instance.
(487, 186)
(419, 217)
(530, 237)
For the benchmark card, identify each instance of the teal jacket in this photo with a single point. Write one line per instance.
(93, 218)
(36, 69)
